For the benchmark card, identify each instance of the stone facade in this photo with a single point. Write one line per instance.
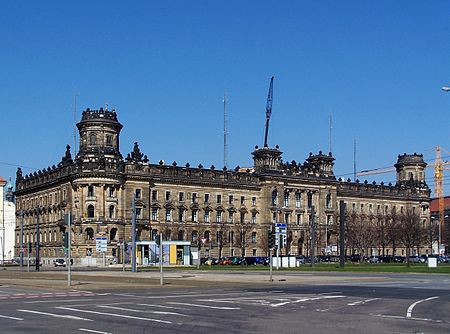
(226, 212)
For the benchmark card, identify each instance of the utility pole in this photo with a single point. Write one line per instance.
(21, 240)
(161, 275)
(313, 236)
(69, 226)
(133, 234)
(37, 240)
(341, 234)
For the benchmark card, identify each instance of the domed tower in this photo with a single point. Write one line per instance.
(99, 139)
(410, 168)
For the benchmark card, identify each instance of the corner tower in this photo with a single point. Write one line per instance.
(99, 139)
(410, 168)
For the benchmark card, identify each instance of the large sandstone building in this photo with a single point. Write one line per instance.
(226, 212)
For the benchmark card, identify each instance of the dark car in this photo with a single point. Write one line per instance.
(301, 259)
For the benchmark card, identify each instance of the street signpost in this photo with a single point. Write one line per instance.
(101, 245)
(280, 232)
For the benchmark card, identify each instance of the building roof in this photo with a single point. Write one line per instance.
(434, 205)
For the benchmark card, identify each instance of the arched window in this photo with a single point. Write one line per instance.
(111, 212)
(207, 235)
(254, 237)
(274, 197)
(90, 211)
(154, 234)
(194, 235)
(328, 201)
(89, 233)
(112, 234)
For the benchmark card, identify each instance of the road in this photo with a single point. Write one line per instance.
(363, 304)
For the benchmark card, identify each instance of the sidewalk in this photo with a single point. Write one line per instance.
(98, 280)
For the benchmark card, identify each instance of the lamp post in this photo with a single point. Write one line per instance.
(442, 238)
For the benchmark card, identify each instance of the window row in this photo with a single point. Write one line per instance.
(220, 216)
(298, 198)
(194, 197)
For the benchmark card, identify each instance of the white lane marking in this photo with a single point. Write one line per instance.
(92, 331)
(410, 308)
(185, 295)
(162, 306)
(362, 302)
(72, 317)
(141, 311)
(404, 318)
(305, 299)
(57, 301)
(206, 306)
(114, 315)
(7, 317)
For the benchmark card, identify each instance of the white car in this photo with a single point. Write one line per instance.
(59, 262)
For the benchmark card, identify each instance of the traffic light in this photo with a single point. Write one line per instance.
(270, 238)
(66, 239)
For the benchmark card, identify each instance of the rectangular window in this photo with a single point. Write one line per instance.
(111, 191)
(219, 217)
(194, 215)
(167, 195)
(181, 215)
(137, 194)
(91, 191)
(286, 218)
(219, 199)
(230, 199)
(230, 216)
(168, 215)
(181, 196)
(138, 213)
(329, 220)
(274, 217)
(154, 214)
(362, 207)
(310, 201)
(286, 199)
(108, 140)
(154, 195)
(206, 198)
(206, 216)
(297, 199)
(254, 237)
(370, 208)
(253, 217)
(242, 200)
(299, 218)
(194, 197)
(253, 201)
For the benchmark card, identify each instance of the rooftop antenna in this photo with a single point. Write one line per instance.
(329, 133)
(225, 160)
(354, 159)
(268, 110)
(75, 124)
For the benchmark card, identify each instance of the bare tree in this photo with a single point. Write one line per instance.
(263, 241)
(242, 236)
(411, 232)
(393, 223)
(361, 233)
(381, 235)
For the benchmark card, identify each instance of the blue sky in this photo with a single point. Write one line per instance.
(375, 67)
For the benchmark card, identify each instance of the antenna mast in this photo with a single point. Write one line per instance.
(75, 125)
(225, 130)
(354, 160)
(329, 134)
(268, 110)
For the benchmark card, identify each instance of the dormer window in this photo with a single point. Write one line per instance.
(90, 191)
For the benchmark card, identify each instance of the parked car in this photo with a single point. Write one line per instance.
(59, 262)
(225, 261)
(415, 259)
(373, 259)
(301, 259)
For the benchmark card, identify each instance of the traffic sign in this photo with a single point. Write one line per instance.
(101, 244)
